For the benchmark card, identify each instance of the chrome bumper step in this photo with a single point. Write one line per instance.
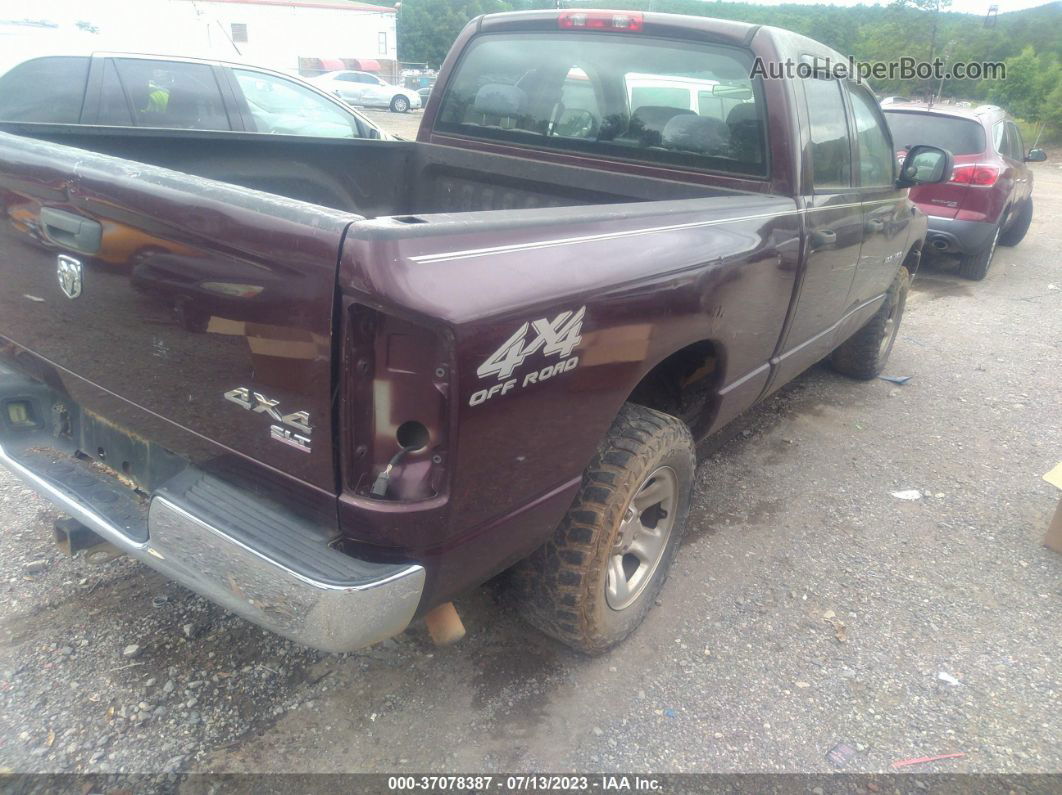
(239, 551)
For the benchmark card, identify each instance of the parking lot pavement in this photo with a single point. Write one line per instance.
(808, 608)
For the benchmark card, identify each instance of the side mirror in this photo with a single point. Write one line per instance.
(1036, 156)
(575, 123)
(925, 165)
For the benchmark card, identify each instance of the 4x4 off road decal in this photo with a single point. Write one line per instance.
(556, 337)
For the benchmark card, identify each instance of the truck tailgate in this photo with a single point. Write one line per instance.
(160, 298)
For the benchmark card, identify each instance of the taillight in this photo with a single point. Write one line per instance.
(398, 378)
(980, 176)
(600, 20)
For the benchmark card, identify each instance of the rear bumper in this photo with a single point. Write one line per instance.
(330, 603)
(952, 236)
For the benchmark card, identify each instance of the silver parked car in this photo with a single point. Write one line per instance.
(368, 90)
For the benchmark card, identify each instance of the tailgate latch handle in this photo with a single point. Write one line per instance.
(71, 230)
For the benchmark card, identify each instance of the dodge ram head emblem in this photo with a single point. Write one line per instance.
(69, 271)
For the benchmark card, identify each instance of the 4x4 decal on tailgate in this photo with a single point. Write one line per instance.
(556, 337)
(260, 404)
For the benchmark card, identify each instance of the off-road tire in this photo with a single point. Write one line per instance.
(975, 266)
(561, 588)
(1015, 233)
(865, 353)
(399, 104)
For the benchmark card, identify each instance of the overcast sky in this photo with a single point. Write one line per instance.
(965, 6)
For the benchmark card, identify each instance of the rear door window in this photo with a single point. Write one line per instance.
(831, 148)
(50, 90)
(649, 99)
(173, 94)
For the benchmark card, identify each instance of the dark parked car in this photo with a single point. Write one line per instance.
(989, 196)
(164, 92)
(399, 368)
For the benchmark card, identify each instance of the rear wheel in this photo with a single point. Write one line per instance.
(400, 104)
(865, 353)
(975, 266)
(1014, 233)
(595, 580)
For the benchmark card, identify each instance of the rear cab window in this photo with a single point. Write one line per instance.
(47, 90)
(686, 104)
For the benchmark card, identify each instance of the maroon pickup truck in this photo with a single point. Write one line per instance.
(332, 384)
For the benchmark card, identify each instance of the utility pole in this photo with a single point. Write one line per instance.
(947, 56)
(932, 47)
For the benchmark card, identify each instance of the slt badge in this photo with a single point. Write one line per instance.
(69, 272)
(260, 404)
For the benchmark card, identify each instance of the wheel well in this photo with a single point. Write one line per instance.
(683, 384)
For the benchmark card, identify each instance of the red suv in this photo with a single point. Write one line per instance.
(989, 197)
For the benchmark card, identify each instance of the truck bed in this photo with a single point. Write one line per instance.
(369, 178)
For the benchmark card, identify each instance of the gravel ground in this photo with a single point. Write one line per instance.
(404, 125)
(809, 608)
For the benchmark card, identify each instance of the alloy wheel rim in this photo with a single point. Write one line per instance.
(643, 535)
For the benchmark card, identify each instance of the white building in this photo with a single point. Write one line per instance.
(308, 36)
(296, 36)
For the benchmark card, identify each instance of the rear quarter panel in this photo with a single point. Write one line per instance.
(650, 278)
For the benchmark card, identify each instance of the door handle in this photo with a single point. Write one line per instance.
(823, 238)
(71, 230)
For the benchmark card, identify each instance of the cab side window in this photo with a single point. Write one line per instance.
(831, 150)
(48, 90)
(876, 160)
